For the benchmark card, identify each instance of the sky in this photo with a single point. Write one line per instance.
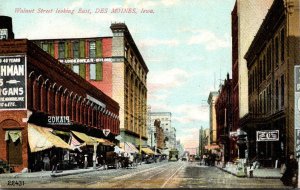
(186, 45)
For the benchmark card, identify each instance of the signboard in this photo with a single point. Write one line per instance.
(85, 60)
(297, 107)
(106, 132)
(59, 120)
(3, 34)
(267, 135)
(13, 82)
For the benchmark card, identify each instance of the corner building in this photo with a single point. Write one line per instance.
(48, 92)
(270, 60)
(115, 66)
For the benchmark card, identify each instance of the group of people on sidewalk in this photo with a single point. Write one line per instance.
(290, 172)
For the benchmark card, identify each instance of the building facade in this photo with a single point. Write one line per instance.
(39, 100)
(212, 117)
(169, 132)
(271, 59)
(224, 113)
(115, 66)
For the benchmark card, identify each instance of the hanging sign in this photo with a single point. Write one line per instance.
(267, 135)
(106, 132)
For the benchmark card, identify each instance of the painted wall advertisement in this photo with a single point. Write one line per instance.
(12, 82)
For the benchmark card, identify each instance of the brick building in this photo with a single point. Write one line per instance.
(35, 88)
(271, 59)
(224, 120)
(115, 66)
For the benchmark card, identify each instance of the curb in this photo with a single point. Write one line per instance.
(23, 175)
(254, 177)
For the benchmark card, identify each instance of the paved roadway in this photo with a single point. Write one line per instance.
(158, 175)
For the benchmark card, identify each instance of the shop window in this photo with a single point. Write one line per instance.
(61, 50)
(276, 51)
(277, 94)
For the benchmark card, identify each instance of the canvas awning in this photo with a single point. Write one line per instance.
(129, 147)
(40, 138)
(75, 144)
(147, 151)
(14, 135)
(103, 141)
(85, 138)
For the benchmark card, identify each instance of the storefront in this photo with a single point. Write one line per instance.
(45, 108)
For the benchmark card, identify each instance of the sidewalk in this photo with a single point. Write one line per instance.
(267, 173)
(42, 174)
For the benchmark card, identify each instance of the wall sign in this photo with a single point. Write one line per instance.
(85, 60)
(267, 135)
(13, 82)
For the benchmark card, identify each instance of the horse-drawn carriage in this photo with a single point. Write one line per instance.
(112, 160)
(119, 161)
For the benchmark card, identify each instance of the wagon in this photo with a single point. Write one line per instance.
(112, 160)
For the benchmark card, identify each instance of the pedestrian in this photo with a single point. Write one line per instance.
(54, 162)
(289, 176)
(46, 161)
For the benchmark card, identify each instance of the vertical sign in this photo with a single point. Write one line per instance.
(297, 107)
(13, 82)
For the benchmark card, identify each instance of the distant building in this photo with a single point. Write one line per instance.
(168, 131)
(212, 117)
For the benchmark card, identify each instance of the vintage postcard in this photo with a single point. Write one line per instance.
(150, 94)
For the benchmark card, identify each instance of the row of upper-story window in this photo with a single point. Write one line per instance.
(136, 65)
(270, 58)
(268, 99)
(53, 100)
(76, 49)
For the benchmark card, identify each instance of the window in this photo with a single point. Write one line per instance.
(282, 45)
(276, 51)
(92, 49)
(76, 49)
(45, 47)
(76, 69)
(277, 94)
(282, 91)
(61, 50)
(92, 71)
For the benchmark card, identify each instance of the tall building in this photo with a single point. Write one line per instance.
(270, 124)
(115, 66)
(168, 131)
(224, 120)
(246, 17)
(212, 117)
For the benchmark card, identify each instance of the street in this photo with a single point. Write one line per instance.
(157, 175)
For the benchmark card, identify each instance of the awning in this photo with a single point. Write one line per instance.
(75, 144)
(129, 147)
(87, 139)
(103, 141)
(40, 138)
(147, 151)
(118, 150)
(14, 135)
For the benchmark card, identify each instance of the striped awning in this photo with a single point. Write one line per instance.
(103, 141)
(147, 151)
(85, 138)
(41, 138)
(129, 147)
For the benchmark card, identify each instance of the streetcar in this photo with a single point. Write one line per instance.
(173, 155)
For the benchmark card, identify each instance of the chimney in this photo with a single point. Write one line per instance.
(6, 30)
